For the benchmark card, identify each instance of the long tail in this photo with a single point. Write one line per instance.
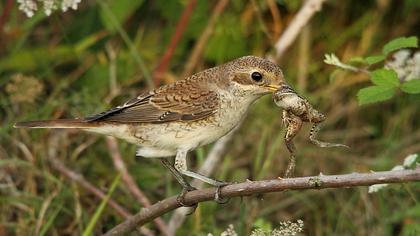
(57, 124)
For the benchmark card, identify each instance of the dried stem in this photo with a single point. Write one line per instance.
(179, 31)
(131, 184)
(267, 186)
(298, 22)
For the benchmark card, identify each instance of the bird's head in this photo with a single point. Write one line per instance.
(255, 76)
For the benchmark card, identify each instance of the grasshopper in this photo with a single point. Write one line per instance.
(296, 111)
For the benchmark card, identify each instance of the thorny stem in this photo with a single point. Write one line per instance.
(266, 186)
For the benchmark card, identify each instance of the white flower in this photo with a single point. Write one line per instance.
(230, 231)
(406, 66)
(28, 6)
(66, 4)
(49, 6)
(410, 160)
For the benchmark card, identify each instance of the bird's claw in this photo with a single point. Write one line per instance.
(217, 196)
(181, 198)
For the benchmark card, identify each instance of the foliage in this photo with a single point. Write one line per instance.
(386, 80)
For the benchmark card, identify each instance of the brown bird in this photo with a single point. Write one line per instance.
(177, 118)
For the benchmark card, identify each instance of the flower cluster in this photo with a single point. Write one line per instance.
(406, 65)
(29, 7)
(286, 228)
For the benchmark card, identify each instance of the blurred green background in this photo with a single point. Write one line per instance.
(83, 61)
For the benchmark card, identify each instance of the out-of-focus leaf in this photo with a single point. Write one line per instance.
(228, 41)
(398, 43)
(356, 60)
(121, 9)
(374, 59)
(385, 77)
(375, 94)
(33, 58)
(412, 86)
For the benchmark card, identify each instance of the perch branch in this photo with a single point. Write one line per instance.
(266, 186)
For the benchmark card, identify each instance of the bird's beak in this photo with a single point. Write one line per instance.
(277, 87)
(273, 87)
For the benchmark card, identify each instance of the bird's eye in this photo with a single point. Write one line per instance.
(256, 76)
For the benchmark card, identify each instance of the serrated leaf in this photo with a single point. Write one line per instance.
(412, 86)
(398, 43)
(375, 94)
(385, 77)
(374, 59)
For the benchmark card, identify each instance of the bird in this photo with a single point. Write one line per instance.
(176, 118)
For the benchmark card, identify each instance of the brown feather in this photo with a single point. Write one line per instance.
(165, 104)
(62, 123)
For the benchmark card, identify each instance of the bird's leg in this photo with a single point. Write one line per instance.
(181, 166)
(294, 125)
(186, 187)
(312, 138)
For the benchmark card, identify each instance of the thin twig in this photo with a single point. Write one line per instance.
(179, 31)
(298, 22)
(205, 36)
(131, 184)
(267, 186)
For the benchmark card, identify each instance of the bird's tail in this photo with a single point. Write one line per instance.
(57, 124)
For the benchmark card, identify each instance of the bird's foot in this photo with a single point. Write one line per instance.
(217, 196)
(181, 198)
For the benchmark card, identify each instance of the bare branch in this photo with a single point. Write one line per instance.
(266, 186)
(298, 22)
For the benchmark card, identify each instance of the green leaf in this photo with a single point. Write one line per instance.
(121, 11)
(374, 59)
(357, 60)
(375, 94)
(398, 43)
(412, 86)
(385, 77)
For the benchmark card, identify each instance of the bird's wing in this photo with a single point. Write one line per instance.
(176, 102)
